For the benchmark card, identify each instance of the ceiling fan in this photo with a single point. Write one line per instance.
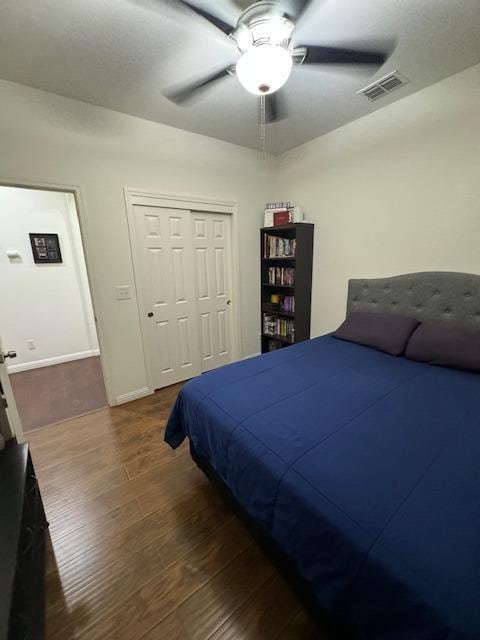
(264, 35)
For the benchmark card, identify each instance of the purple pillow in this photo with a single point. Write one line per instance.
(446, 346)
(387, 332)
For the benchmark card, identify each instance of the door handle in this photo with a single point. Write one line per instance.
(9, 354)
(150, 314)
(229, 302)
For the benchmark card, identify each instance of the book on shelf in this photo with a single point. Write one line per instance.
(279, 302)
(274, 345)
(278, 205)
(276, 326)
(275, 247)
(283, 276)
(281, 218)
(286, 213)
(288, 304)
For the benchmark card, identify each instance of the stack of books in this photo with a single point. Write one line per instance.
(275, 247)
(278, 213)
(288, 304)
(274, 345)
(284, 276)
(280, 303)
(275, 326)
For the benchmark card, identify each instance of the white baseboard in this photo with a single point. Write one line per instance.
(47, 362)
(133, 395)
(253, 355)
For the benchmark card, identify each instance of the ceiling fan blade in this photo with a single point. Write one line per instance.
(275, 107)
(336, 55)
(217, 22)
(189, 91)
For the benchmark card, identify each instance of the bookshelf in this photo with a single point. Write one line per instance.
(289, 277)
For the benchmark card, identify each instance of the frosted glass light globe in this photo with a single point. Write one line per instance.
(264, 69)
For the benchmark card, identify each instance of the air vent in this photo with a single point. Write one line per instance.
(383, 86)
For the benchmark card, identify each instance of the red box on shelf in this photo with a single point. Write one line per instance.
(281, 217)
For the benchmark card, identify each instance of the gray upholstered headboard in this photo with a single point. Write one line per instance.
(437, 296)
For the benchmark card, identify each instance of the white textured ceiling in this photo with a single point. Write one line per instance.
(121, 54)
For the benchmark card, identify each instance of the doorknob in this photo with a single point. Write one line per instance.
(9, 354)
(150, 314)
(229, 302)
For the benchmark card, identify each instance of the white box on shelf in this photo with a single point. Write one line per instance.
(268, 219)
(296, 214)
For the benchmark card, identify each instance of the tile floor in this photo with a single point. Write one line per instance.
(59, 392)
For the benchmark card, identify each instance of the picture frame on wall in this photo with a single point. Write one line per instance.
(46, 248)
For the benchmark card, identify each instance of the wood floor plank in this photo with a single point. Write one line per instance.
(142, 547)
(57, 498)
(123, 432)
(156, 457)
(74, 607)
(101, 421)
(69, 472)
(150, 604)
(101, 535)
(263, 615)
(301, 627)
(81, 578)
(171, 628)
(43, 458)
(211, 605)
(150, 404)
(154, 499)
(166, 485)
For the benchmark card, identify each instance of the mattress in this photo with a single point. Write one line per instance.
(363, 468)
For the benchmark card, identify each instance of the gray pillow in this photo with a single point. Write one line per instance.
(446, 346)
(387, 332)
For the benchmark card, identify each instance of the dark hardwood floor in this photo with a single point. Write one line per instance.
(142, 547)
(59, 392)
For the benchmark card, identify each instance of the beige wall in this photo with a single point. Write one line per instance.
(394, 192)
(45, 138)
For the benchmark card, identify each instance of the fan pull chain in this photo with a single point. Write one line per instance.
(263, 127)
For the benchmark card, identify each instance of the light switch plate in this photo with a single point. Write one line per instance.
(124, 292)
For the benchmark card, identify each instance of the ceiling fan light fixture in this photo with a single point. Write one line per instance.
(264, 69)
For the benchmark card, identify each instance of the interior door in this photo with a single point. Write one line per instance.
(167, 293)
(10, 423)
(213, 284)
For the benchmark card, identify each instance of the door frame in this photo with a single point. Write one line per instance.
(135, 197)
(76, 191)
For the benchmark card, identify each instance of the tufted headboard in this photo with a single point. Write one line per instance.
(437, 296)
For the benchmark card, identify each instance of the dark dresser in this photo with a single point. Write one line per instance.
(23, 530)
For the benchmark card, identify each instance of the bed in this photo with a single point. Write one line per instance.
(360, 470)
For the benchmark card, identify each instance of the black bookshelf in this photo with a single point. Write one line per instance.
(301, 289)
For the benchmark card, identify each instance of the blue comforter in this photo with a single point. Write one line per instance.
(365, 470)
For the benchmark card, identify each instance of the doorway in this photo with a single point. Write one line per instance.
(46, 317)
(183, 257)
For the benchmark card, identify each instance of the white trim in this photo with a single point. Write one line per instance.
(48, 362)
(253, 355)
(169, 201)
(133, 395)
(192, 203)
(80, 206)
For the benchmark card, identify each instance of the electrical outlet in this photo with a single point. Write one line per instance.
(123, 292)
(31, 344)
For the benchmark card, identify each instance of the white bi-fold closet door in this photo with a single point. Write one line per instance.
(184, 279)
